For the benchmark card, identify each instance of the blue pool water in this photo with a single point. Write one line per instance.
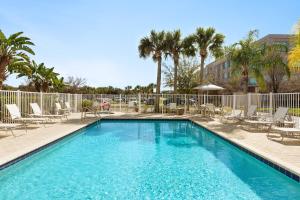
(144, 160)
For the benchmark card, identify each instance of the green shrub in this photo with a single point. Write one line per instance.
(87, 103)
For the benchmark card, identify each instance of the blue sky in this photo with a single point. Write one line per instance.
(98, 40)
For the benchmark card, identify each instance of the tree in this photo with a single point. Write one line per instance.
(155, 46)
(274, 64)
(13, 54)
(187, 77)
(41, 77)
(176, 47)
(207, 41)
(75, 83)
(294, 54)
(244, 57)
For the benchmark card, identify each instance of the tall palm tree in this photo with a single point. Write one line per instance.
(13, 53)
(244, 57)
(175, 48)
(207, 41)
(41, 77)
(274, 64)
(154, 45)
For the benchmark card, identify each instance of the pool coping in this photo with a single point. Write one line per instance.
(253, 152)
(42, 147)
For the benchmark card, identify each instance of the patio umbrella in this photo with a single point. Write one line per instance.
(208, 87)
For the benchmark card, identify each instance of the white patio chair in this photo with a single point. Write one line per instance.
(15, 115)
(288, 132)
(61, 111)
(278, 117)
(9, 127)
(172, 107)
(37, 112)
(251, 112)
(68, 107)
(132, 105)
(232, 115)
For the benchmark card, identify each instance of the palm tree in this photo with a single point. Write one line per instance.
(274, 64)
(294, 54)
(175, 48)
(41, 77)
(155, 46)
(13, 55)
(207, 41)
(244, 57)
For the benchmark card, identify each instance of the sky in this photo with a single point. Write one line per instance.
(98, 40)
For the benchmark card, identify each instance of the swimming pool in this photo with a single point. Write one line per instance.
(144, 159)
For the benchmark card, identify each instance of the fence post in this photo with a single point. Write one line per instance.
(271, 103)
(18, 99)
(140, 104)
(41, 101)
(76, 105)
(120, 103)
(204, 100)
(234, 102)
(249, 99)
(162, 105)
(184, 103)
(222, 100)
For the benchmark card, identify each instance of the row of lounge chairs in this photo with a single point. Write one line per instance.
(279, 121)
(36, 116)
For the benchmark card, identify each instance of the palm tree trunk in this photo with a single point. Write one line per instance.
(274, 85)
(176, 62)
(245, 77)
(158, 82)
(3, 63)
(201, 69)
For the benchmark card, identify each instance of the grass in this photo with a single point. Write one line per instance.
(292, 111)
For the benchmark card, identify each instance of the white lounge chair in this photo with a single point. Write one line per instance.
(251, 112)
(9, 127)
(233, 115)
(15, 115)
(68, 107)
(61, 111)
(210, 110)
(172, 107)
(288, 132)
(132, 105)
(37, 112)
(278, 117)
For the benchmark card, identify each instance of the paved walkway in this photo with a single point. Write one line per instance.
(285, 154)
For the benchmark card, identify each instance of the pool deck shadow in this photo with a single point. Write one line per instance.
(286, 153)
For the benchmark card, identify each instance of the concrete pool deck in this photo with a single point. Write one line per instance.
(285, 154)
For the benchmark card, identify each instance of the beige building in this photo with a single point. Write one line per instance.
(219, 71)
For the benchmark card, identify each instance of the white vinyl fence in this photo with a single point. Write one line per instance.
(46, 101)
(145, 103)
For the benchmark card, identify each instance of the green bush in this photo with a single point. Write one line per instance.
(87, 103)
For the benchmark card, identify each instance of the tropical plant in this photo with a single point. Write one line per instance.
(274, 64)
(41, 77)
(206, 42)
(244, 57)
(13, 54)
(155, 46)
(187, 76)
(294, 54)
(176, 47)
